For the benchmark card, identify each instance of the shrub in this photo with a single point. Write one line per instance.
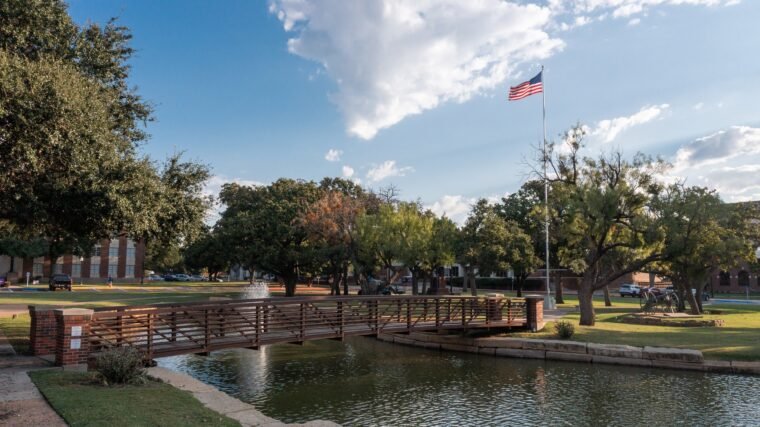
(120, 365)
(564, 329)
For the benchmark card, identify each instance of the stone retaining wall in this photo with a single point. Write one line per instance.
(659, 321)
(574, 351)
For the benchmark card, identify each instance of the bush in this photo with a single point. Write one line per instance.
(120, 365)
(564, 329)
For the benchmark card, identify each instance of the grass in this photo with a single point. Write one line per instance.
(739, 339)
(17, 332)
(82, 401)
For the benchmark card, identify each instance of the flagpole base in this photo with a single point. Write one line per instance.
(549, 303)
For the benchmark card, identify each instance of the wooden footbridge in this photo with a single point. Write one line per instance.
(173, 329)
(75, 335)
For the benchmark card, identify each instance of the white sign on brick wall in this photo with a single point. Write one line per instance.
(76, 344)
(76, 331)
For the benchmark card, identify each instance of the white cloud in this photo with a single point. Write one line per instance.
(333, 155)
(455, 208)
(727, 161)
(608, 130)
(347, 171)
(698, 106)
(385, 170)
(633, 22)
(396, 58)
(627, 8)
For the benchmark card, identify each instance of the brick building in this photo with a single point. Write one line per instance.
(120, 258)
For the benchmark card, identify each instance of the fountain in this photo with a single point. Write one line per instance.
(257, 289)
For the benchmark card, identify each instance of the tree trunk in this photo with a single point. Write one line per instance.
(700, 293)
(424, 283)
(693, 303)
(586, 303)
(519, 284)
(414, 282)
(558, 290)
(345, 279)
(607, 300)
(290, 285)
(473, 284)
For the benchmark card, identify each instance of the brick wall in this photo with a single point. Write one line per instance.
(71, 348)
(43, 330)
(534, 312)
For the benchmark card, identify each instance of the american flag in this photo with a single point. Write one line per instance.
(525, 89)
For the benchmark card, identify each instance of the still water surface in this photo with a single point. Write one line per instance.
(363, 381)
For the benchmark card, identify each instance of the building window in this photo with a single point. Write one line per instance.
(743, 278)
(131, 253)
(130, 271)
(94, 270)
(112, 268)
(76, 270)
(96, 250)
(725, 278)
(58, 269)
(37, 269)
(113, 251)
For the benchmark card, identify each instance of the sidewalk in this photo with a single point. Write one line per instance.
(21, 404)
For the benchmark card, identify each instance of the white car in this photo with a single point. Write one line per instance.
(630, 290)
(182, 278)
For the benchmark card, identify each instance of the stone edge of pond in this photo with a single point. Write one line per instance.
(216, 400)
(575, 351)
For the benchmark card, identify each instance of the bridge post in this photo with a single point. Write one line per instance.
(72, 341)
(43, 330)
(493, 307)
(534, 312)
(341, 319)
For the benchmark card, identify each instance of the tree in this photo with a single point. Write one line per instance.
(331, 226)
(208, 252)
(411, 233)
(265, 223)
(701, 233)
(611, 227)
(70, 126)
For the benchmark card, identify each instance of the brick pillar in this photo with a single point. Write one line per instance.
(43, 330)
(534, 312)
(72, 344)
(493, 312)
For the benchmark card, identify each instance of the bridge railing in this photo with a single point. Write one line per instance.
(170, 329)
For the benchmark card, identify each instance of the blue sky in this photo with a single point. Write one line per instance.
(414, 93)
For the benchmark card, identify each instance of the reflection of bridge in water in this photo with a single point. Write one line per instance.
(173, 329)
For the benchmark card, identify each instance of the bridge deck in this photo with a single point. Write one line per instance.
(173, 329)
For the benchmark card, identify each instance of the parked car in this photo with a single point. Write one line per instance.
(630, 290)
(197, 278)
(170, 278)
(60, 281)
(4, 282)
(182, 278)
(154, 278)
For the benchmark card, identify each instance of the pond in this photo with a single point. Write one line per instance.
(363, 381)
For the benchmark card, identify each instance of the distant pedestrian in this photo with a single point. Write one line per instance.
(110, 282)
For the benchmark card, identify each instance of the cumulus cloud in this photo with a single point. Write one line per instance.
(348, 171)
(333, 155)
(626, 8)
(727, 161)
(395, 58)
(455, 208)
(387, 169)
(608, 130)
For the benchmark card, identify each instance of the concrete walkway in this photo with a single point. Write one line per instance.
(21, 404)
(223, 403)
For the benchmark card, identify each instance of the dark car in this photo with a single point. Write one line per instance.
(4, 282)
(60, 281)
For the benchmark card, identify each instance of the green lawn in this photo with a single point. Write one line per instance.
(17, 332)
(82, 401)
(739, 339)
(105, 298)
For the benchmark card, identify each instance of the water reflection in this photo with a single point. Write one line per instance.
(368, 382)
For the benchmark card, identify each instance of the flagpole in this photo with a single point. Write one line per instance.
(548, 303)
